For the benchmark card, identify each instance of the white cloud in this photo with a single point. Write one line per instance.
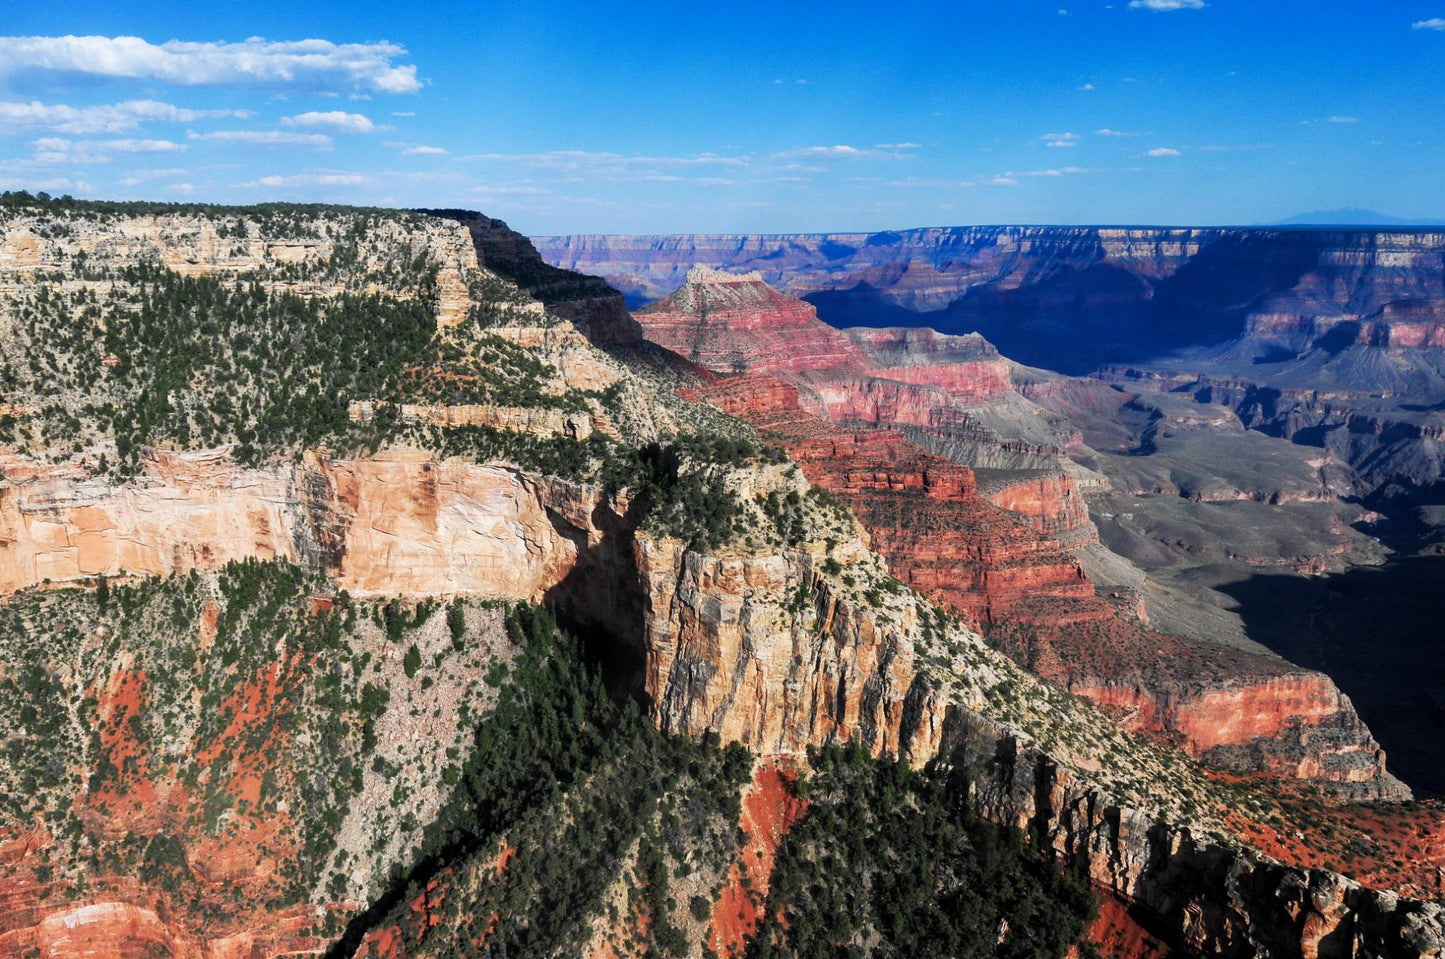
(1235, 148)
(424, 151)
(929, 183)
(265, 138)
(1163, 152)
(1061, 139)
(1434, 23)
(145, 176)
(1087, 86)
(310, 179)
(62, 150)
(1015, 175)
(517, 190)
(1342, 119)
(1163, 6)
(1106, 132)
(49, 183)
(104, 118)
(838, 151)
(606, 164)
(335, 121)
(308, 64)
(141, 146)
(898, 146)
(1004, 181)
(403, 113)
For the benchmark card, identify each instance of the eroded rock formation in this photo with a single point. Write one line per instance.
(401, 523)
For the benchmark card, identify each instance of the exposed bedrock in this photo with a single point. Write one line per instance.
(399, 523)
(1213, 900)
(732, 651)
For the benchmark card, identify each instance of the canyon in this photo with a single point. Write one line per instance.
(222, 639)
(926, 516)
(1064, 298)
(1232, 404)
(1320, 336)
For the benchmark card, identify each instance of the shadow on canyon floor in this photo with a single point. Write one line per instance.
(1377, 632)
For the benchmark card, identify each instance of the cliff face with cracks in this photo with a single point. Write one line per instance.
(400, 523)
(774, 651)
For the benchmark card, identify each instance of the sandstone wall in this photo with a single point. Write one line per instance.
(397, 523)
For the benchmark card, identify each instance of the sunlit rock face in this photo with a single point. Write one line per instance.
(402, 523)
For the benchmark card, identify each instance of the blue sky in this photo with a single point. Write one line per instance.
(747, 117)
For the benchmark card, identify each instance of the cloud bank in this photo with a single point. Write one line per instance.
(321, 64)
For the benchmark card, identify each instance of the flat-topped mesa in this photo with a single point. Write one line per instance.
(967, 367)
(733, 324)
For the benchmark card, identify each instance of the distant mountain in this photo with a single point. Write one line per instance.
(1353, 216)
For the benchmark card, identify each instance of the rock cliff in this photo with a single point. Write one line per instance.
(782, 652)
(399, 523)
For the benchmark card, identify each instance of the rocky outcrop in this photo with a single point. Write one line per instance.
(516, 419)
(738, 324)
(298, 255)
(1295, 723)
(397, 523)
(772, 650)
(1049, 499)
(1212, 899)
(956, 390)
(728, 651)
(967, 368)
(586, 300)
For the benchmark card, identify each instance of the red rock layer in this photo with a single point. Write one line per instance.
(924, 514)
(770, 808)
(966, 367)
(738, 324)
(1049, 500)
